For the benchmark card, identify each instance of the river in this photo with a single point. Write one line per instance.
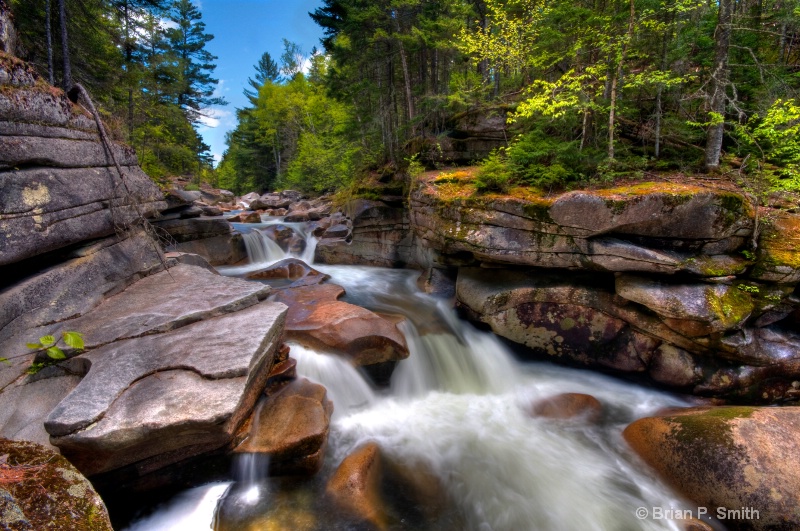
(457, 408)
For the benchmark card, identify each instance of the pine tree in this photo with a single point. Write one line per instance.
(266, 70)
(194, 90)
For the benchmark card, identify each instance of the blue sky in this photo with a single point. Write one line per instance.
(243, 30)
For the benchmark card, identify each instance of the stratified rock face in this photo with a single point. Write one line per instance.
(697, 337)
(184, 381)
(730, 458)
(210, 237)
(41, 490)
(59, 184)
(316, 318)
(381, 237)
(657, 228)
(291, 426)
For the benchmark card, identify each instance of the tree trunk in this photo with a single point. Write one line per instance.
(66, 82)
(719, 84)
(615, 83)
(406, 77)
(48, 28)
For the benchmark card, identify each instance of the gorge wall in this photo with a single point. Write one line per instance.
(657, 279)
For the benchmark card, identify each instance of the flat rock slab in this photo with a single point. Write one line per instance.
(297, 271)
(188, 389)
(291, 426)
(40, 489)
(165, 301)
(76, 286)
(728, 457)
(318, 320)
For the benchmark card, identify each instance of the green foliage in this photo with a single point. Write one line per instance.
(775, 139)
(49, 345)
(494, 174)
(540, 159)
(415, 167)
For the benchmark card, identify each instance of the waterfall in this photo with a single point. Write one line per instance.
(261, 249)
(347, 388)
(460, 407)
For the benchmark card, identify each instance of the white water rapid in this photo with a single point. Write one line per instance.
(458, 408)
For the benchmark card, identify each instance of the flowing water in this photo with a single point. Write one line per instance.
(457, 408)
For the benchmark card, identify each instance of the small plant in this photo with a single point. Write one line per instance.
(494, 174)
(49, 344)
(749, 255)
(415, 167)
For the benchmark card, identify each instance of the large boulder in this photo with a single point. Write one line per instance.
(291, 427)
(651, 227)
(41, 490)
(588, 319)
(318, 319)
(176, 378)
(738, 460)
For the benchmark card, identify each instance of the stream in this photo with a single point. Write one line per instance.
(456, 409)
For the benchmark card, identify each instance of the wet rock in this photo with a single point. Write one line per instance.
(291, 269)
(691, 309)
(161, 398)
(569, 406)
(337, 231)
(282, 372)
(41, 490)
(291, 426)
(438, 282)
(270, 201)
(318, 320)
(185, 230)
(226, 249)
(355, 487)
(280, 234)
(245, 217)
(728, 457)
(670, 365)
(297, 216)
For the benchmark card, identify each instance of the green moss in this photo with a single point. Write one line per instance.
(714, 425)
(733, 307)
(538, 210)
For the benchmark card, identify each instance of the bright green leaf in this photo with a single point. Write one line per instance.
(73, 339)
(56, 353)
(47, 341)
(5, 360)
(36, 346)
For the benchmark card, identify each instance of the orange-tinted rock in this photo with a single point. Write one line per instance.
(292, 427)
(729, 457)
(355, 487)
(318, 320)
(696, 525)
(246, 217)
(569, 406)
(291, 269)
(281, 373)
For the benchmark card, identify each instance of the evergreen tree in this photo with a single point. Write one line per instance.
(194, 87)
(266, 70)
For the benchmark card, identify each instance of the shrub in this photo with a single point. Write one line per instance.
(494, 174)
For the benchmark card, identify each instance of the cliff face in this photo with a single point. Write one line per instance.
(74, 257)
(652, 278)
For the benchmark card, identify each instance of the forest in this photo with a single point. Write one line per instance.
(591, 90)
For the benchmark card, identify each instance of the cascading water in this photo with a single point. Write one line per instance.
(261, 249)
(460, 408)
